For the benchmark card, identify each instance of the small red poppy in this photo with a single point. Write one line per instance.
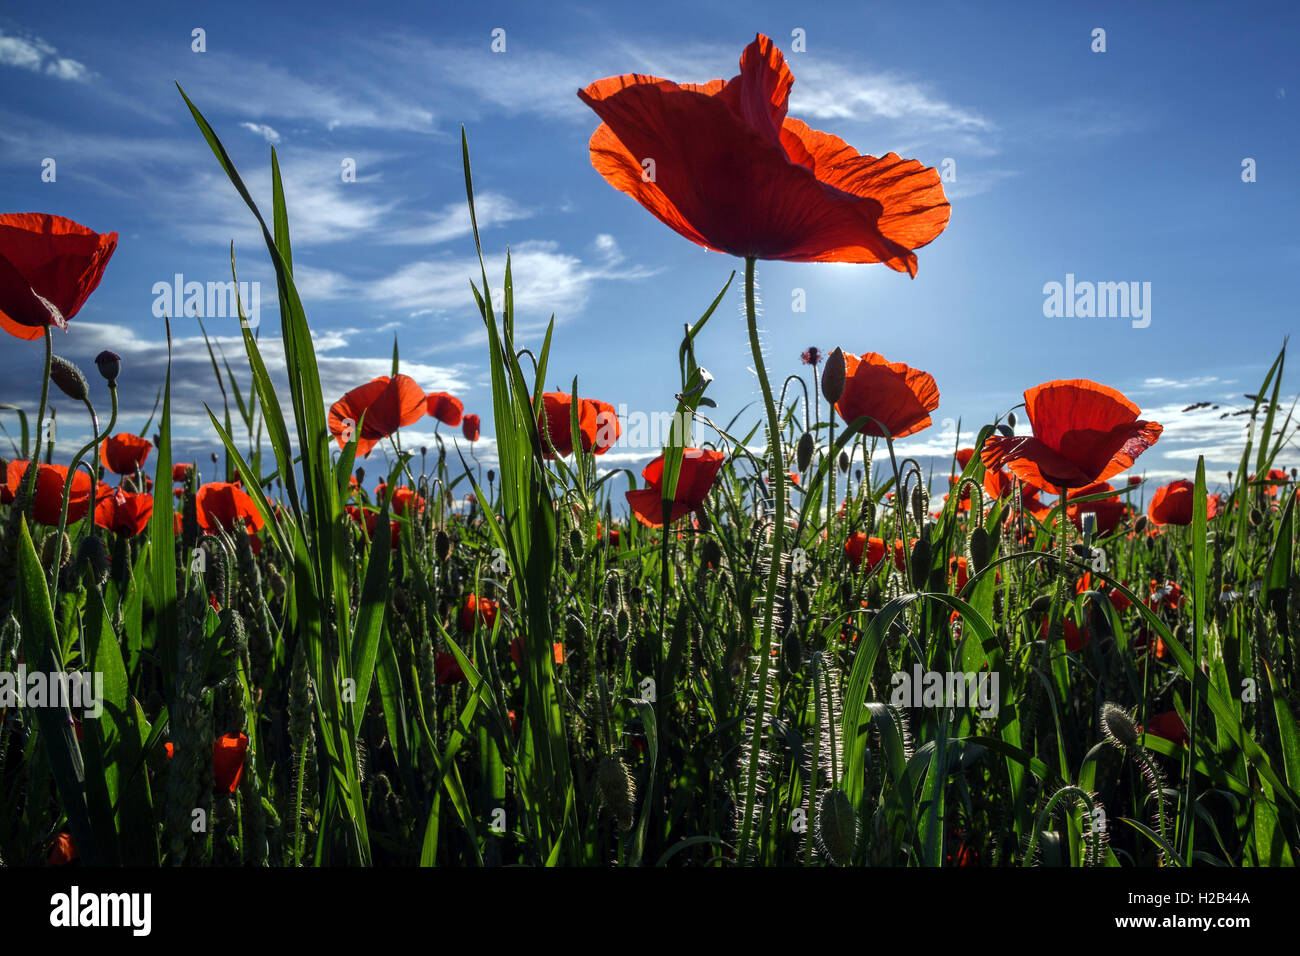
(381, 407)
(482, 609)
(447, 669)
(228, 752)
(899, 397)
(63, 852)
(224, 505)
(1172, 504)
(47, 500)
(469, 427)
(1109, 512)
(598, 425)
(699, 470)
(445, 407)
(123, 513)
(125, 454)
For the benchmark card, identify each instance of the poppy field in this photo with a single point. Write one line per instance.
(783, 643)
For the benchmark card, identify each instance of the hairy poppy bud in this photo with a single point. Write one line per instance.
(617, 789)
(69, 379)
(837, 826)
(804, 451)
(442, 545)
(47, 550)
(492, 476)
(1141, 524)
(93, 556)
(1041, 604)
(110, 366)
(980, 550)
(844, 462)
(1118, 725)
(833, 376)
(1011, 419)
(576, 543)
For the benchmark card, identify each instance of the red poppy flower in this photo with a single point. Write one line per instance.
(63, 852)
(484, 609)
(1083, 432)
(182, 472)
(403, 498)
(699, 470)
(1271, 482)
(1172, 504)
(228, 753)
(125, 454)
(963, 456)
(224, 505)
(49, 265)
(387, 405)
(1075, 639)
(857, 543)
(517, 648)
(1119, 600)
(469, 427)
(124, 514)
(1109, 512)
(957, 568)
(1169, 726)
(47, 499)
(445, 407)
(722, 164)
(898, 396)
(598, 425)
(370, 520)
(447, 669)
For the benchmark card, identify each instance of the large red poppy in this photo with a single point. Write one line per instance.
(222, 505)
(445, 407)
(699, 470)
(723, 165)
(1083, 432)
(125, 454)
(898, 396)
(1172, 504)
(123, 513)
(47, 498)
(49, 265)
(598, 425)
(387, 405)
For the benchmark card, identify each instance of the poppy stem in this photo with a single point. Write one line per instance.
(29, 481)
(777, 465)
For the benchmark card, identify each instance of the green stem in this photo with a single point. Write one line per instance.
(774, 567)
(29, 482)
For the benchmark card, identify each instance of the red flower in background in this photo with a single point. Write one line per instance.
(734, 174)
(386, 404)
(484, 609)
(699, 470)
(446, 669)
(898, 396)
(49, 265)
(1083, 433)
(1075, 639)
(1169, 726)
(228, 753)
(1109, 511)
(370, 520)
(404, 497)
(123, 513)
(125, 454)
(1271, 482)
(63, 852)
(47, 498)
(222, 505)
(857, 543)
(1172, 504)
(445, 407)
(470, 427)
(598, 425)
(182, 472)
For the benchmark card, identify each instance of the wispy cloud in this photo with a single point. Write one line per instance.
(37, 56)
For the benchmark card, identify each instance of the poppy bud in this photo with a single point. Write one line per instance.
(837, 826)
(980, 550)
(711, 552)
(1040, 604)
(804, 451)
(792, 651)
(833, 376)
(576, 544)
(1118, 725)
(69, 379)
(492, 476)
(361, 475)
(919, 501)
(47, 550)
(921, 560)
(844, 462)
(93, 556)
(1011, 419)
(702, 517)
(617, 789)
(1141, 524)
(442, 545)
(624, 623)
(109, 365)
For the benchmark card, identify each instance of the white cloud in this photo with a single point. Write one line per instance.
(267, 133)
(38, 56)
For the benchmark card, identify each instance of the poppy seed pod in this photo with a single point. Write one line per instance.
(69, 379)
(833, 376)
(804, 451)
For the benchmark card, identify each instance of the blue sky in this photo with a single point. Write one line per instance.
(1122, 166)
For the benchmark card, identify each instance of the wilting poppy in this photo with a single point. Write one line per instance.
(699, 470)
(386, 403)
(125, 454)
(1083, 432)
(1109, 512)
(598, 425)
(47, 498)
(223, 505)
(228, 753)
(484, 609)
(469, 427)
(49, 265)
(858, 544)
(123, 513)
(445, 407)
(899, 397)
(63, 851)
(722, 164)
(1172, 504)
